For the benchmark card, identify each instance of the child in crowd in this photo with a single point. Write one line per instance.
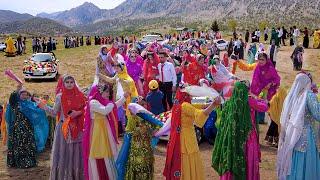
(154, 98)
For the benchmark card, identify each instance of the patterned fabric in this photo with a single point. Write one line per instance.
(140, 162)
(234, 129)
(21, 140)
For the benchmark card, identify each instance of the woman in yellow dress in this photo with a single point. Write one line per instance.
(10, 49)
(183, 156)
(101, 134)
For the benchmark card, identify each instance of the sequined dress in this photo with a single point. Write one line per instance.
(140, 162)
(21, 140)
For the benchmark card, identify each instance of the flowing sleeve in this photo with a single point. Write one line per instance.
(120, 102)
(224, 70)
(313, 105)
(197, 114)
(246, 67)
(258, 104)
(53, 111)
(96, 106)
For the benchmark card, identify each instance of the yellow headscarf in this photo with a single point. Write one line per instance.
(276, 105)
(128, 85)
(316, 39)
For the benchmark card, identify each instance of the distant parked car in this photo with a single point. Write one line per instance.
(150, 38)
(3, 46)
(41, 66)
(221, 44)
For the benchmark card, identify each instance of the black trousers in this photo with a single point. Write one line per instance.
(166, 89)
(273, 130)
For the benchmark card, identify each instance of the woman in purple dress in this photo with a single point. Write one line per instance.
(134, 67)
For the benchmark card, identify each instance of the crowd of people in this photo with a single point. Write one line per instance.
(134, 84)
(43, 45)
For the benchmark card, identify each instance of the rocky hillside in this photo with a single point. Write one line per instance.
(34, 26)
(300, 12)
(87, 13)
(10, 16)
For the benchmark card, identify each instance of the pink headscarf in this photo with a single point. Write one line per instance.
(262, 76)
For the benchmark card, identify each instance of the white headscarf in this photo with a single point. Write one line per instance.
(101, 54)
(292, 122)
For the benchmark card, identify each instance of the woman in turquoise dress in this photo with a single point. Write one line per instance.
(298, 153)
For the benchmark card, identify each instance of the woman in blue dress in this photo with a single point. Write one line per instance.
(298, 153)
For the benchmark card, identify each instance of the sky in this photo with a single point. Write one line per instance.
(34, 7)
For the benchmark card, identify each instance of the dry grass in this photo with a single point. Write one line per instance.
(80, 62)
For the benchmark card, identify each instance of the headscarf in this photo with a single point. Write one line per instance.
(112, 118)
(292, 122)
(72, 100)
(102, 54)
(228, 151)
(127, 84)
(173, 160)
(276, 105)
(262, 76)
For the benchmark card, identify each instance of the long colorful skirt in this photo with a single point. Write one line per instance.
(21, 144)
(140, 162)
(66, 158)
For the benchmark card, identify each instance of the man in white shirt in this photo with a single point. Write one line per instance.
(167, 80)
(280, 30)
(296, 34)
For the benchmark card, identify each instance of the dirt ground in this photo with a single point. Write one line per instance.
(80, 62)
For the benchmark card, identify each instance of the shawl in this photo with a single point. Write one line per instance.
(262, 76)
(112, 119)
(172, 168)
(134, 69)
(150, 69)
(228, 151)
(276, 105)
(292, 123)
(72, 99)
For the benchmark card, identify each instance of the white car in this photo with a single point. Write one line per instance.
(3, 46)
(41, 66)
(221, 44)
(150, 38)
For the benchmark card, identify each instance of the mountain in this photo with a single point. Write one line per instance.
(35, 26)
(10, 16)
(87, 13)
(250, 13)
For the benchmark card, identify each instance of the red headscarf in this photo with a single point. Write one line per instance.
(172, 168)
(72, 100)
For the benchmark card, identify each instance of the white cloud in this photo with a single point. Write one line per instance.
(37, 6)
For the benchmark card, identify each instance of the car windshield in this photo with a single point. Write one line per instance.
(41, 58)
(150, 38)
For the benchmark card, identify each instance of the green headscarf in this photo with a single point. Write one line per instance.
(235, 125)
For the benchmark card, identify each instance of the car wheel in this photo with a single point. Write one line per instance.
(199, 135)
(26, 79)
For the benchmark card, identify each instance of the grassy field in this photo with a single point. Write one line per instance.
(80, 62)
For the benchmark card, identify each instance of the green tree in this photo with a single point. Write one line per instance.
(215, 26)
(263, 24)
(232, 24)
